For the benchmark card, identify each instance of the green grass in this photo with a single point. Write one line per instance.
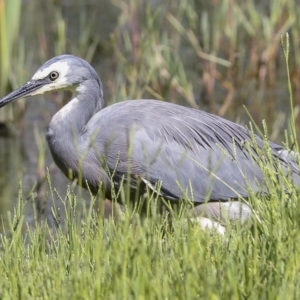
(12, 57)
(88, 258)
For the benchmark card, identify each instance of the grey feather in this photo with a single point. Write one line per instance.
(181, 147)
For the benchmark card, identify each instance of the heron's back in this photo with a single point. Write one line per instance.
(190, 152)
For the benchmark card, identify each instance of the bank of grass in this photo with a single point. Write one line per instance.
(88, 258)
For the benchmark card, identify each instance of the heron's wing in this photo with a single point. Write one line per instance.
(191, 153)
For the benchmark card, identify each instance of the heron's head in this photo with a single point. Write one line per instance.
(59, 73)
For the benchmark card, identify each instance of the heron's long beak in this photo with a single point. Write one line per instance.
(24, 91)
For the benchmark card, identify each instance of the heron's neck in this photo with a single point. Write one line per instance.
(66, 126)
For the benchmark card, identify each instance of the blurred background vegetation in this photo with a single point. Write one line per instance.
(213, 55)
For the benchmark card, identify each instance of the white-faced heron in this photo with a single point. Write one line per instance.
(182, 152)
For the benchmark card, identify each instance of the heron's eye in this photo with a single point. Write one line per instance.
(53, 75)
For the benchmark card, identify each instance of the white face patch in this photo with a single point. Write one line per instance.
(62, 68)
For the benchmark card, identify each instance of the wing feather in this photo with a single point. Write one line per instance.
(192, 153)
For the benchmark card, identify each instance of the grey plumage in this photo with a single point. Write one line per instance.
(191, 153)
(181, 145)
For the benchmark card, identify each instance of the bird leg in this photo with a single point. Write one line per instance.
(214, 215)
